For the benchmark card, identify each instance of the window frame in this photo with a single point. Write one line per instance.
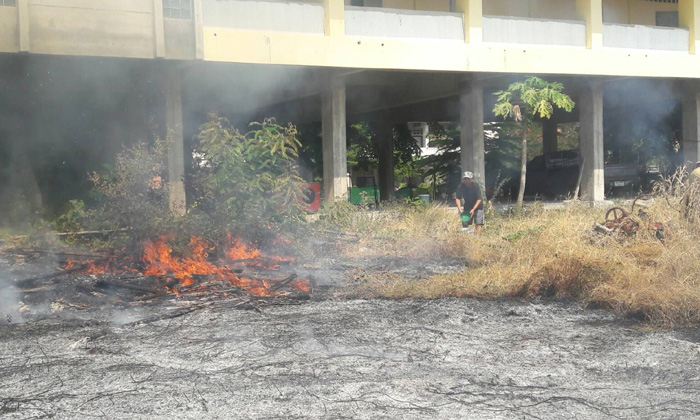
(173, 9)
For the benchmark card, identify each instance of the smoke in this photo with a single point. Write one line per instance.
(643, 121)
(9, 298)
(64, 117)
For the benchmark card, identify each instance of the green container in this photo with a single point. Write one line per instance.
(363, 195)
(465, 218)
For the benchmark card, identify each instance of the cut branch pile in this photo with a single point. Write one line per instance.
(245, 278)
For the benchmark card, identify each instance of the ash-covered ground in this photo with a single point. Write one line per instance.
(118, 356)
(364, 359)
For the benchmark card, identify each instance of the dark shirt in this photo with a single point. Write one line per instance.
(469, 196)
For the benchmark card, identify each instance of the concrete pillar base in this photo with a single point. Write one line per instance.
(335, 164)
(177, 198)
(603, 204)
(591, 146)
(471, 117)
(174, 135)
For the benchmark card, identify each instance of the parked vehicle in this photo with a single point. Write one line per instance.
(554, 175)
(622, 176)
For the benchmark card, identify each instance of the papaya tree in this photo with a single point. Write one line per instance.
(523, 102)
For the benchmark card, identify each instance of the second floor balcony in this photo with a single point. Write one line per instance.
(633, 24)
(547, 36)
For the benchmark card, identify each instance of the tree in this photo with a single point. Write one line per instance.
(525, 100)
(250, 181)
(363, 143)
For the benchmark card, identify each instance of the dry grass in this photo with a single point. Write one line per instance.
(544, 254)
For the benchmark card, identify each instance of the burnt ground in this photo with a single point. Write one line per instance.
(325, 356)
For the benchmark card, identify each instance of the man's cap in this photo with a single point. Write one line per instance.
(468, 174)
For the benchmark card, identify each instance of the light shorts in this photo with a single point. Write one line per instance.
(478, 219)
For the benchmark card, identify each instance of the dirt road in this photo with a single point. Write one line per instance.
(358, 359)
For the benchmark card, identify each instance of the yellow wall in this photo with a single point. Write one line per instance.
(399, 4)
(432, 5)
(287, 48)
(435, 5)
(638, 12)
(616, 11)
(116, 28)
(554, 9)
(644, 12)
(519, 8)
(109, 27)
(129, 28)
(9, 31)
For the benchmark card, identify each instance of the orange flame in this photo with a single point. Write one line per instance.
(238, 250)
(159, 260)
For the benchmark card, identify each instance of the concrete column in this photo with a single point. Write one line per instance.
(176, 152)
(198, 21)
(691, 123)
(689, 17)
(23, 25)
(335, 164)
(473, 13)
(334, 17)
(385, 148)
(591, 142)
(471, 117)
(592, 12)
(158, 29)
(550, 136)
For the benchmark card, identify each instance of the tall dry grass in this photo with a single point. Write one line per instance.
(550, 254)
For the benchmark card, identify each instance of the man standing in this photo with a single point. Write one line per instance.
(469, 203)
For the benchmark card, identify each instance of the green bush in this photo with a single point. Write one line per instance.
(133, 194)
(72, 219)
(249, 182)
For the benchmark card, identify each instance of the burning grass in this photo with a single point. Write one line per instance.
(181, 270)
(546, 254)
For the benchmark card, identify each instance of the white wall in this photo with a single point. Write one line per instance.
(375, 22)
(533, 31)
(273, 15)
(645, 37)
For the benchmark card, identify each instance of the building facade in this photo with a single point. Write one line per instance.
(428, 59)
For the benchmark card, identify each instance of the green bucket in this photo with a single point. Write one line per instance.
(465, 217)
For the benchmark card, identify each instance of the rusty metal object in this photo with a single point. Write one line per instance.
(619, 220)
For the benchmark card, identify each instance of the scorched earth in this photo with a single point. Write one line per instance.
(363, 359)
(100, 348)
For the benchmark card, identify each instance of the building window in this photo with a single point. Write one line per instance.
(9, 3)
(177, 9)
(366, 3)
(669, 19)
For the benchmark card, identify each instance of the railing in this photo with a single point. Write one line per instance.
(376, 22)
(645, 37)
(311, 17)
(269, 15)
(505, 29)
